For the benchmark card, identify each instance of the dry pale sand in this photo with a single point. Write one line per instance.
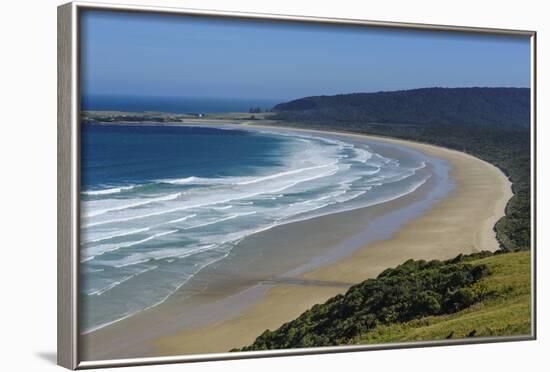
(461, 223)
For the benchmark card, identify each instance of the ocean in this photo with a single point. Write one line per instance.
(160, 203)
(175, 105)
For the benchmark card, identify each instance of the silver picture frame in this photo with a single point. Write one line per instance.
(68, 183)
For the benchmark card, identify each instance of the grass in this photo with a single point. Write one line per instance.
(505, 312)
(155, 116)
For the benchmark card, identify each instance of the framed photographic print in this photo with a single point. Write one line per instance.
(236, 185)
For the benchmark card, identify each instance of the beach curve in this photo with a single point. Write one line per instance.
(460, 223)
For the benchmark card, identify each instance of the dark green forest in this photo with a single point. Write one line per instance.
(479, 107)
(502, 143)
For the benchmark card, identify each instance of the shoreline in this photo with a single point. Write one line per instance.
(278, 302)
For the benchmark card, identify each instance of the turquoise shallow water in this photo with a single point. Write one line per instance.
(158, 204)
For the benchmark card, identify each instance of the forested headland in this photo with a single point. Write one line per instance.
(489, 123)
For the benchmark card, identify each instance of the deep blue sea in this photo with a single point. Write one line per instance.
(116, 155)
(179, 105)
(160, 203)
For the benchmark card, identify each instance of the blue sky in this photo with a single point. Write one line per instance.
(166, 55)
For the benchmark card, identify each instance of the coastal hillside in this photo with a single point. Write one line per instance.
(500, 107)
(481, 294)
(489, 123)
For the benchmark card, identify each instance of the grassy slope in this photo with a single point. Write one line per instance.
(507, 311)
(377, 311)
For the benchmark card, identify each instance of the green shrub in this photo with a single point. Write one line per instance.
(410, 291)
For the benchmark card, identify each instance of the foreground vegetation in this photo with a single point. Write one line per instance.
(469, 296)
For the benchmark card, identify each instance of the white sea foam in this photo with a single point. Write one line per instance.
(412, 188)
(121, 206)
(128, 314)
(242, 181)
(113, 190)
(143, 257)
(185, 218)
(222, 208)
(349, 181)
(102, 249)
(362, 155)
(373, 172)
(195, 181)
(421, 166)
(284, 174)
(231, 217)
(316, 179)
(99, 292)
(88, 238)
(218, 199)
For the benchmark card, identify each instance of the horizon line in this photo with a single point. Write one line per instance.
(311, 95)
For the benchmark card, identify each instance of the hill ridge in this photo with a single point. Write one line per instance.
(505, 107)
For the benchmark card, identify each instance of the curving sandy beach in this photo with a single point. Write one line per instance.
(232, 313)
